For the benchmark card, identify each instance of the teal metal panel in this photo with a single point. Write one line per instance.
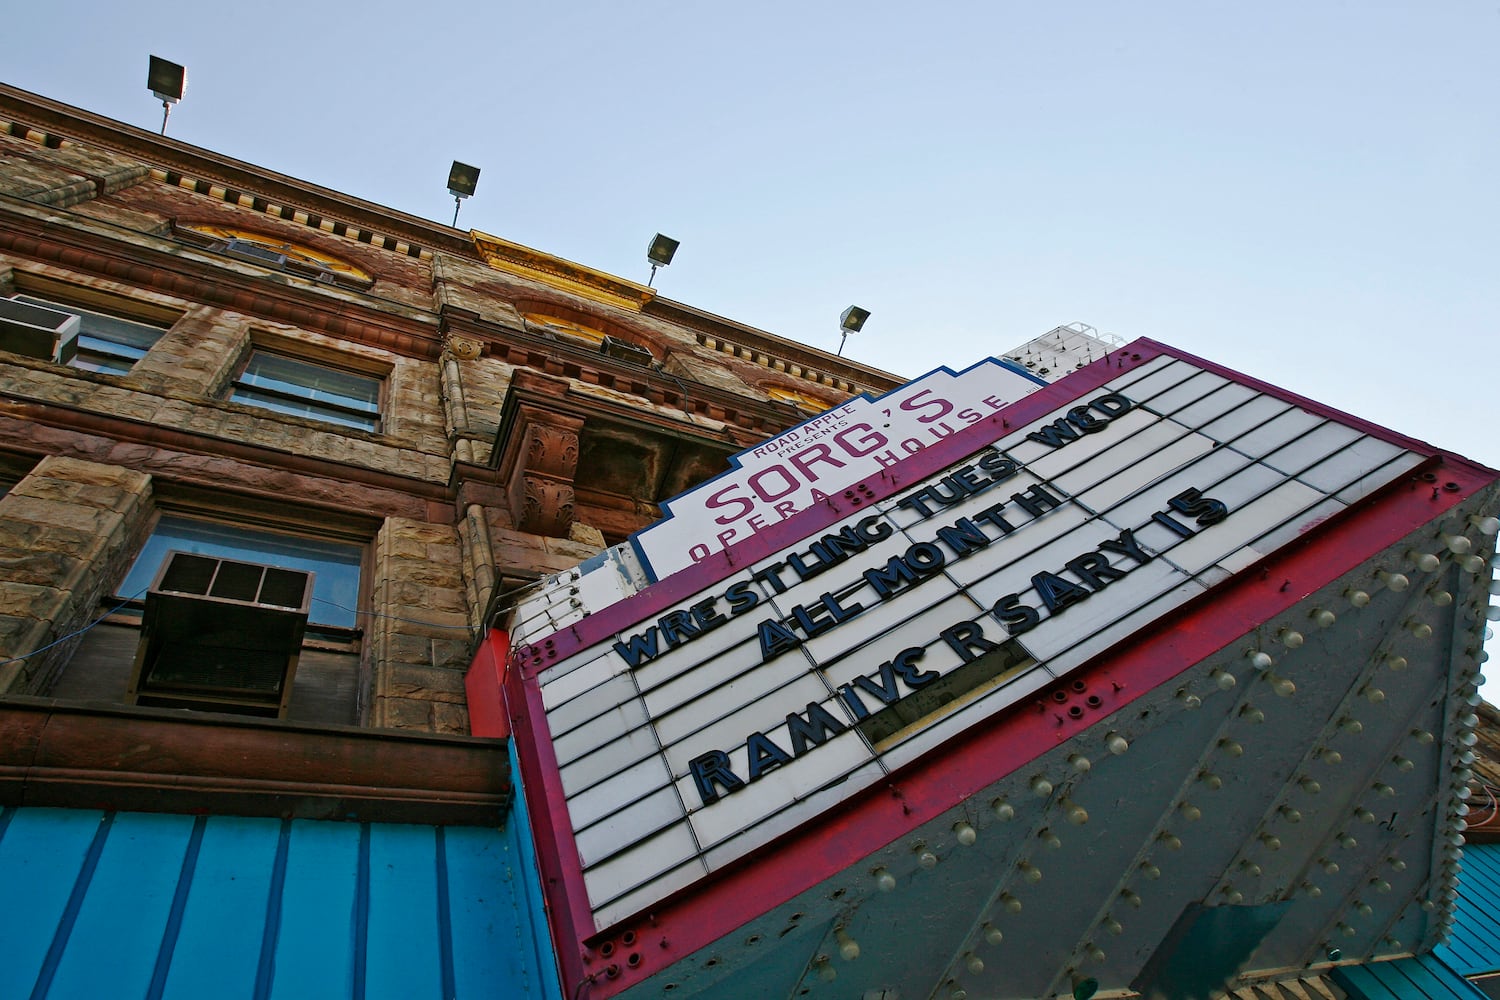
(167, 906)
(1474, 946)
(41, 854)
(315, 940)
(217, 951)
(1421, 978)
(112, 947)
(403, 907)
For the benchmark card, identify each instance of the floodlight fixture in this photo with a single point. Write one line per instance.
(851, 320)
(462, 180)
(659, 254)
(167, 81)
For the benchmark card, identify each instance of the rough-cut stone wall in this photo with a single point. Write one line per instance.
(420, 629)
(68, 532)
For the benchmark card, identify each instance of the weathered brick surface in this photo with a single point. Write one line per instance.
(68, 532)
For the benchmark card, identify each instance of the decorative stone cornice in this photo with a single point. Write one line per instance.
(161, 760)
(576, 279)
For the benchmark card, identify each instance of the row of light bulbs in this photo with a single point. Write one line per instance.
(965, 834)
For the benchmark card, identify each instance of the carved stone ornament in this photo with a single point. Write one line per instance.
(462, 348)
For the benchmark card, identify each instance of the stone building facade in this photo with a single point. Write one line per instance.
(455, 414)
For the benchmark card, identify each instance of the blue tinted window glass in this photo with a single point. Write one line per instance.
(336, 564)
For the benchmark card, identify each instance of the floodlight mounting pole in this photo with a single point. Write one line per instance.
(653, 275)
(458, 202)
(166, 111)
(842, 339)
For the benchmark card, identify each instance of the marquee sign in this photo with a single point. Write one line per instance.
(696, 722)
(821, 456)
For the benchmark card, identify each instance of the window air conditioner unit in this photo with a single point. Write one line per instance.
(221, 636)
(38, 332)
(624, 350)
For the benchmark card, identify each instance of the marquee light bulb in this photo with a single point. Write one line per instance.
(1323, 618)
(1260, 660)
(1358, 598)
(1310, 786)
(1050, 839)
(1041, 787)
(1170, 841)
(958, 993)
(1468, 739)
(1232, 896)
(1130, 898)
(1223, 679)
(1116, 744)
(993, 934)
(1347, 842)
(1352, 726)
(1290, 638)
(1190, 812)
(1380, 885)
(1422, 736)
(1424, 561)
(1150, 871)
(1374, 695)
(1075, 813)
(1029, 871)
(1421, 630)
(1472, 564)
(1282, 687)
(1329, 865)
(1290, 815)
(1383, 790)
(1364, 815)
(1210, 781)
(1095, 952)
(1394, 582)
(1250, 868)
(884, 880)
(1403, 764)
(1189, 700)
(1272, 842)
(1010, 903)
(1441, 598)
(1364, 909)
(1231, 748)
(1346, 930)
(826, 972)
(965, 834)
(1252, 714)
(1398, 865)
(1332, 756)
(1080, 762)
(1113, 927)
(926, 859)
(1459, 545)
(1397, 663)
(1485, 525)
(1312, 890)
(974, 964)
(1004, 811)
(848, 947)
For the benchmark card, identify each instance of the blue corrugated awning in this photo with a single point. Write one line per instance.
(157, 905)
(1474, 945)
(1420, 978)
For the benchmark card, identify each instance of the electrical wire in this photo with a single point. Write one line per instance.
(76, 632)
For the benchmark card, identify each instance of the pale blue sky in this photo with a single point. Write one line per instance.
(1304, 191)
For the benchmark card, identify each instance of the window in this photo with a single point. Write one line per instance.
(335, 587)
(230, 650)
(304, 389)
(801, 400)
(105, 343)
(273, 252)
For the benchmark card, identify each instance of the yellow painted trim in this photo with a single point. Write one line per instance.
(585, 282)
